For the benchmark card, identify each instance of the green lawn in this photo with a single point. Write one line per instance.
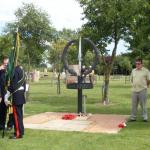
(44, 98)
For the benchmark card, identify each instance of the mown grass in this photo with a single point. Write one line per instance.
(43, 98)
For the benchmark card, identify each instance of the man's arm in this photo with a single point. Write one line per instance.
(13, 82)
(131, 77)
(148, 78)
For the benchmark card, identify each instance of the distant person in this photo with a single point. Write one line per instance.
(140, 78)
(91, 75)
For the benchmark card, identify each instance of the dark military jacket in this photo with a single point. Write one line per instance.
(17, 82)
(2, 83)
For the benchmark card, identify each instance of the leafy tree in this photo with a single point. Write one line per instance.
(67, 34)
(139, 30)
(35, 30)
(88, 58)
(55, 53)
(57, 46)
(138, 36)
(107, 22)
(125, 64)
(6, 44)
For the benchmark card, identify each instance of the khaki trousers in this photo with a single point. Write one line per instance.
(139, 97)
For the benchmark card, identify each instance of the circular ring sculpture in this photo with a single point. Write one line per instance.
(65, 61)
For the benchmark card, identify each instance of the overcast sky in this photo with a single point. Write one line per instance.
(62, 13)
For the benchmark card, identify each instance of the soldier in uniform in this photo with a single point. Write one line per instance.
(17, 91)
(3, 89)
(3, 83)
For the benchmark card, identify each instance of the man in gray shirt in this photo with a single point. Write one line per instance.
(140, 78)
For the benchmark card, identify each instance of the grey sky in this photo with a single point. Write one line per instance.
(63, 14)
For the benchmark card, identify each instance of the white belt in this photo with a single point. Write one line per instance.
(7, 95)
(21, 88)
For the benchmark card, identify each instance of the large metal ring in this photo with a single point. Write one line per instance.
(65, 61)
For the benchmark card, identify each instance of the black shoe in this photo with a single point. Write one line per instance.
(2, 127)
(145, 120)
(16, 137)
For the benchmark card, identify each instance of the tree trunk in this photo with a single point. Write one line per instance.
(58, 83)
(28, 78)
(29, 63)
(105, 87)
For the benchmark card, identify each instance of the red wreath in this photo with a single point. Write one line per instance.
(69, 117)
(121, 125)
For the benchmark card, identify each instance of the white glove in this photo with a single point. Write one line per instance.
(7, 95)
(7, 102)
(27, 87)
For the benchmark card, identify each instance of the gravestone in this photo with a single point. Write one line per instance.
(35, 76)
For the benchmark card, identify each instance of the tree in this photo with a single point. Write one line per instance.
(55, 52)
(57, 46)
(35, 31)
(67, 34)
(107, 22)
(139, 29)
(88, 58)
(138, 36)
(6, 44)
(125, 64)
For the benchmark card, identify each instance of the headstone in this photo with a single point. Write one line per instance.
(63, 75)
(45, 70)
(35, 76)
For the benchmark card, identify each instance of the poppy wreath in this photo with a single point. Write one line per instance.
(121, 125)
(69, 117)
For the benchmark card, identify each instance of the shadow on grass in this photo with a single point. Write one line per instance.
(124, 86)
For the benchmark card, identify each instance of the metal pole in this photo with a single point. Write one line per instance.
(80, 79)
(84, 102)
(80, 57)
(79, 94)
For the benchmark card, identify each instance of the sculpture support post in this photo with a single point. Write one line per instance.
(79, 94)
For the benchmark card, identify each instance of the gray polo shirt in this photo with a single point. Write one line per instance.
(139, 79)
